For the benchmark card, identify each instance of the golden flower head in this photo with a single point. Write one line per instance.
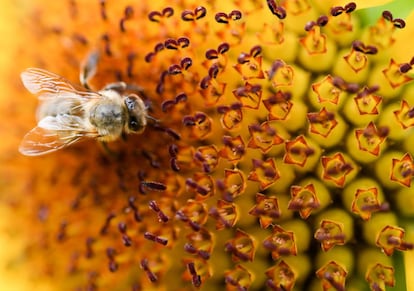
(280, 155)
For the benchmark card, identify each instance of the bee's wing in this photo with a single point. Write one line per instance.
(54, 133)
(47, 85)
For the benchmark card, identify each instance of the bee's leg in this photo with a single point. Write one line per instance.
(88, 69)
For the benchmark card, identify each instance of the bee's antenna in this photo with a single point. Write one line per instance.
(152, 118)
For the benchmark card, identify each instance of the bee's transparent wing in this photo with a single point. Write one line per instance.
(54, 133)
(57, 128)
(47, 85)
(41, 141)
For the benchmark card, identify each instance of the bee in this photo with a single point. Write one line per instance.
(67, 114)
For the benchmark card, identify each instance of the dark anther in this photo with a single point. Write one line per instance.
(387, 15)
(131, 204)
(103, 10)
(161, 215)
(186, 63)
(188, 15)
(122, 227)
(191, 183)
(182, 97)
(202, 190)
(322, 20)
(371, 50)
(174, 69)
(153, 162)
(164, 218)
(196, 279)
(205, 82)
(159, 47)
(339, 82)
(131, 57)
(399, 23)
(154, 205)
(80, 38)
(235, 15)
(223, 109)
(151, 276)
(191, 268)
(126, 240)
(211, 54)
(188, 120)
(108, 51)
(105, 227)
(174, 164)
(190, 248)
(156, 186)
(163, 75)
(337, 10)
(200, 117)
(243, 58)
(154, 238)
(373, 89)
(213, 71)
(173, 150)
(128, 12)
(167, 104)
(171, 44)
(360, 47)
(404, 68)
(236, 106)
(168, 12)
(279, 11)
(148, 58)
(183, 42)
(383, 131)
(223, 48)
(222, 17)
(160, 88)
(200, 12)
(154, 16)
(89, 251)
(350, 7)
(255, 51)
(122, 24)
(272, 6)
(110, 253)
(131, 201)
(309, 25)
(199, 157)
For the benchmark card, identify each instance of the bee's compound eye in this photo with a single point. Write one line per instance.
(134, 125)
(131, 102)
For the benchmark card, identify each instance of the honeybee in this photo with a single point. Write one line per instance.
(67, 115)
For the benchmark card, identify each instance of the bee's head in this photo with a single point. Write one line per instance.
(137, 114)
